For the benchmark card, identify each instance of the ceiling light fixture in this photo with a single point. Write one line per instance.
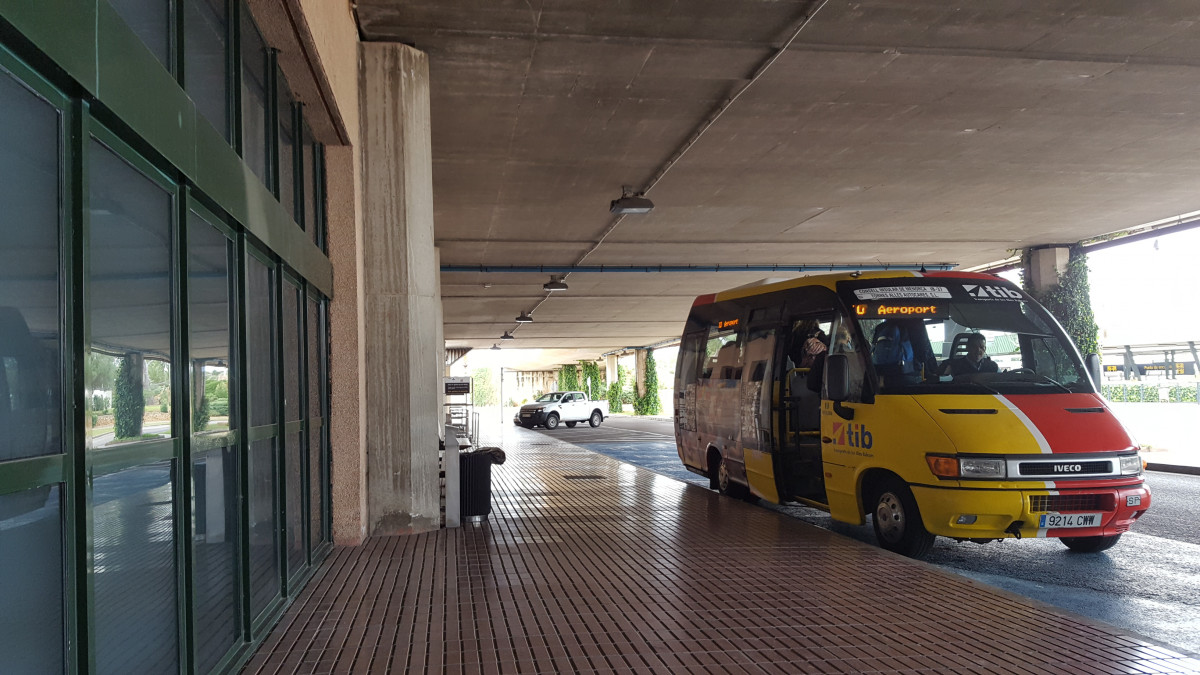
(508, 336)
(630, 202)
(555, 284)
(524, 318)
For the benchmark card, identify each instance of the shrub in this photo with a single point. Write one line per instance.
(614, 397)
(202, 414)
(649, 404)
(568, 378)
(592, 382)
(129, 402)
(220, 407)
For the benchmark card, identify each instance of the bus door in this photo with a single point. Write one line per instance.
(849, 428)
(799, 410)
(757, 438)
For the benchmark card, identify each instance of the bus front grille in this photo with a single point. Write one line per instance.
(1071, 502)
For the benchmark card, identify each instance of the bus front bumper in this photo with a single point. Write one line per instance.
(996, 514)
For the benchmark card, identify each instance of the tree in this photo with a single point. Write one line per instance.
(158, 373)
(482, 386)
(129, 402)
(568, 378)
(650, 404)
(1070, 300)
(593, 383)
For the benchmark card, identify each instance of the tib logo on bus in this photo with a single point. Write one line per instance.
(990, 292)
(854, 435)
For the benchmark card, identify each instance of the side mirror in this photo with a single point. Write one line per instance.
(1092, 362)
(837, 376)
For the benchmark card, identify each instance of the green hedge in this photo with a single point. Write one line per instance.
(1148, 393)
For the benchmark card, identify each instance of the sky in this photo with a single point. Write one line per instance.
(1146, 291)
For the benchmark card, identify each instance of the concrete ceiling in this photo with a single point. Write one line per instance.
(886, 131)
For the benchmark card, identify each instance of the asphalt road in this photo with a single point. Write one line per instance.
(1149, 583)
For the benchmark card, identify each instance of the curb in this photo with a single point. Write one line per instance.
(1173, 468)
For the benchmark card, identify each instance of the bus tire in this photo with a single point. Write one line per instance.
(1090, 544)
(726, 485)
(897, 521)
(552, 421)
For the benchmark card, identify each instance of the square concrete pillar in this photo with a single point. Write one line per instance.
(1045, 264)
(401, 302)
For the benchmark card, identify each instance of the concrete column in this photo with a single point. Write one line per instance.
(1045, 264)
(610, 369)
(401, 304)
(641, 354)
(346, 431)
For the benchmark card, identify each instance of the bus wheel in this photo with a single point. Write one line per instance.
(897, 522)
(726, 485)
(1090, 544)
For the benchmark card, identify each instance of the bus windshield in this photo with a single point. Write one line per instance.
(962, 336)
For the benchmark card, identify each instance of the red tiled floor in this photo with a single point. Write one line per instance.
(634, 572)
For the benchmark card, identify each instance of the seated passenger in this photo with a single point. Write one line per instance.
(974, 361)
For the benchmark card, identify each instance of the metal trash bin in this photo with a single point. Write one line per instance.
(475, 481)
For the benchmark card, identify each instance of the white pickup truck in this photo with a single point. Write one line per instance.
(571, 407)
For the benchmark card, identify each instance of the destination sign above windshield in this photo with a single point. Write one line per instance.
(890, 309)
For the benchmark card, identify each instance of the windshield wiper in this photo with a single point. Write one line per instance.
(1056, 383)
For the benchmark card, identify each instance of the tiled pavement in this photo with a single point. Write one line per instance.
(588, 565)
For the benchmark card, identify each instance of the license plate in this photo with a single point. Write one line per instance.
(1059, 520)
(526, 414)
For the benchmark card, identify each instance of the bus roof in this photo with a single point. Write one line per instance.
(828, 281)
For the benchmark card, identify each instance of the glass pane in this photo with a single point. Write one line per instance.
(128, 375)
(295, 505)
(214, 524)
(205, 64)
(287, 147)
(31, 581)
(264, 522)
(264, 526)
(214, 464)
(260, 339)
(133, 541)
(30, 370)
(308, 182)
(292, 363)
(316, 470)
(151, 21)
(254, 99)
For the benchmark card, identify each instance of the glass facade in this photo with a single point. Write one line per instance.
(163, 449)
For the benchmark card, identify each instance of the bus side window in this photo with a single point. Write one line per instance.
(722, 356)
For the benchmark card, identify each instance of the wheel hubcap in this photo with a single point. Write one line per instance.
(723, 477)
(889, 516)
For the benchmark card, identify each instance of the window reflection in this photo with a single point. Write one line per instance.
(151, 21)
(255, 151)
(206, 59)
(260, 370)
(214, 456)
(287, 149)
(30, 370)
(128, 371)
(31, 581)
(133, 542)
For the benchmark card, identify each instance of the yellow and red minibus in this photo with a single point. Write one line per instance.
(942, 404)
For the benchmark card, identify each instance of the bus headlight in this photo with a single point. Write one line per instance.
(1131, 465)
(944, 466)
(980, 467)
